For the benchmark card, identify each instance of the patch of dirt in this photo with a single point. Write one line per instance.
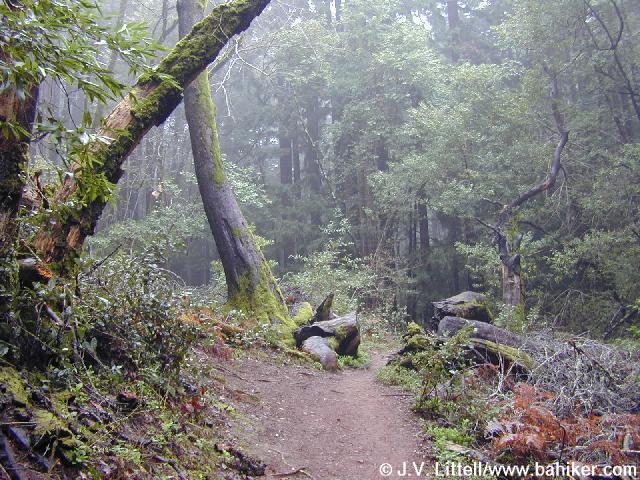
(335, 426)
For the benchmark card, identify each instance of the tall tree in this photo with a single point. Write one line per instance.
(512, 285)
(250, 283)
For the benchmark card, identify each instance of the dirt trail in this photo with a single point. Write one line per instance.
(337, 426)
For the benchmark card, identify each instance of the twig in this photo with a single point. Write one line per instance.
(291, 473)
(99, 264)
(298, 470)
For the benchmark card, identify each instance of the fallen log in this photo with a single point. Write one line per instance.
(492, 344)
(319, 348)
(451, 325)
(344, 333)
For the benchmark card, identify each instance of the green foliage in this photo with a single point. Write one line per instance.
(359, 361)
(443, 435)
(129, 316)
(514, 318)
(447, 442)
(333, 270)
(440, 365)
(399, 376)
(62, 41)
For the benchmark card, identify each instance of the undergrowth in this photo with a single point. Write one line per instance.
(579, 405)
(121, 385)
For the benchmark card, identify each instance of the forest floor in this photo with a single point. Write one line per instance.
(321, 425)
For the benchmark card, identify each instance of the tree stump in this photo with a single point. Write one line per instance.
(469, 305)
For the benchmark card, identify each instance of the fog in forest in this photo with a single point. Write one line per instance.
(380, 156)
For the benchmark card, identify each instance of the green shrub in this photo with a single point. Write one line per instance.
(129, 314)
(359, 361)
(395, 375)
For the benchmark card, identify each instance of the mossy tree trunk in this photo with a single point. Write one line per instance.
(150, 102)
(17, 109)
(250, 284)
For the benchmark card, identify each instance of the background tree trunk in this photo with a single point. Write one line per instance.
(250, 284)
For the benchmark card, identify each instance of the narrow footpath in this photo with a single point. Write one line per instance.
(325, 426)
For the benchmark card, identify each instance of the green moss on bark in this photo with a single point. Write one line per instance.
(13, 384)
(208, 37)
(303, 314)
(204, 97)
(512, 354)
(263, 302)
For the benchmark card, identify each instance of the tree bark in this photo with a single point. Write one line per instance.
(311, 166)
(18, 110)
(150, 102)
(250, 284)
(286, 158)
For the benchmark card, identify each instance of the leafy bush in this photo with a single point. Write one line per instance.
(359, 361)
(129, 315)
(333, 270)
(449, 389)
(440, 364)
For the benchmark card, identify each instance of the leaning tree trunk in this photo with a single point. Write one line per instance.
(250, 284)
(512, 284)
(150, 102)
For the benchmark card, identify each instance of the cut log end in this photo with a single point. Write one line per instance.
(319, 348)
